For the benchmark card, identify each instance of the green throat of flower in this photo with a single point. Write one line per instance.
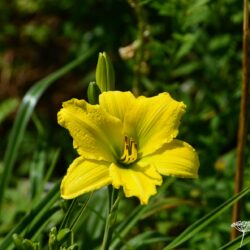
(129, 152)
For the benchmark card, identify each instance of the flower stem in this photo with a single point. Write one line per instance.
(242, 130)
(139, 56)
(111, 216)
(242, 238)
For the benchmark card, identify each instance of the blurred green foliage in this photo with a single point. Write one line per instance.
(190, 48)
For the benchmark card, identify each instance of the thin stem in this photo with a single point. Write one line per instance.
(125, 227)
(80, 213)
(139, 56)
(68, 213)
(242, 238)
(112, 208)
(242, 130)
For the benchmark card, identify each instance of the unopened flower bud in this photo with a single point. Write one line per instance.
(105, 75)
(28, 245)
(52, 239)
(73, 247)
(63, 235)
(18, 241)
(93, 93)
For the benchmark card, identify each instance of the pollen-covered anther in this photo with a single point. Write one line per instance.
(129, 151)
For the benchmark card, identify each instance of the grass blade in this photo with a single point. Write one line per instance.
(23, 116)
(201, 223)
(126, 226)
(235, 244)
(35, 213)
(38, 226)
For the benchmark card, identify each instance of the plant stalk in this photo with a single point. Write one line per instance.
(112, 208)
(139, 55)
(242, 129)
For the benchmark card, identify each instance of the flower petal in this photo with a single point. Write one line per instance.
(96, 134)
(176, 158)
(139, 180)
(84, 176)
(153, 121)
(116, 102)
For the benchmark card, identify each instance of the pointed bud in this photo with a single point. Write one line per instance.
(28, 245)
(53, 242)
(105, 74)
(18, 241)
(36, 246)
(52, 239)
(53, 231)
(73, 247)
(93, 93)
(63, 235)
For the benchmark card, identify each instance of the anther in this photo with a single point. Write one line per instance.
(129, 151)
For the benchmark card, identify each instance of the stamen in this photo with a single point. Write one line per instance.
(125, 150)
(129, 151)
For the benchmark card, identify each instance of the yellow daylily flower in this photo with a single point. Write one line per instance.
(127, 142)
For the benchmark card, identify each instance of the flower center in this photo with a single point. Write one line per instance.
(129, 151)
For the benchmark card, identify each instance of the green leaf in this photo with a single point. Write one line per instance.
(6, 107)
(186, 69)
(126, 226)
(23, 116)
(144, 239)
(36, 213)
(187, 43)
(235, 244)
(203, 222)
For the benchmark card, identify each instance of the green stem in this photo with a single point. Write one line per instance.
(242, 238)
(139, 56)
(126, 226)
(112, 208)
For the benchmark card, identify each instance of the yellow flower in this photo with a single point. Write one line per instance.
(127, 142)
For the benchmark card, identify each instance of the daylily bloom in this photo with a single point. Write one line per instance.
(127, 142)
